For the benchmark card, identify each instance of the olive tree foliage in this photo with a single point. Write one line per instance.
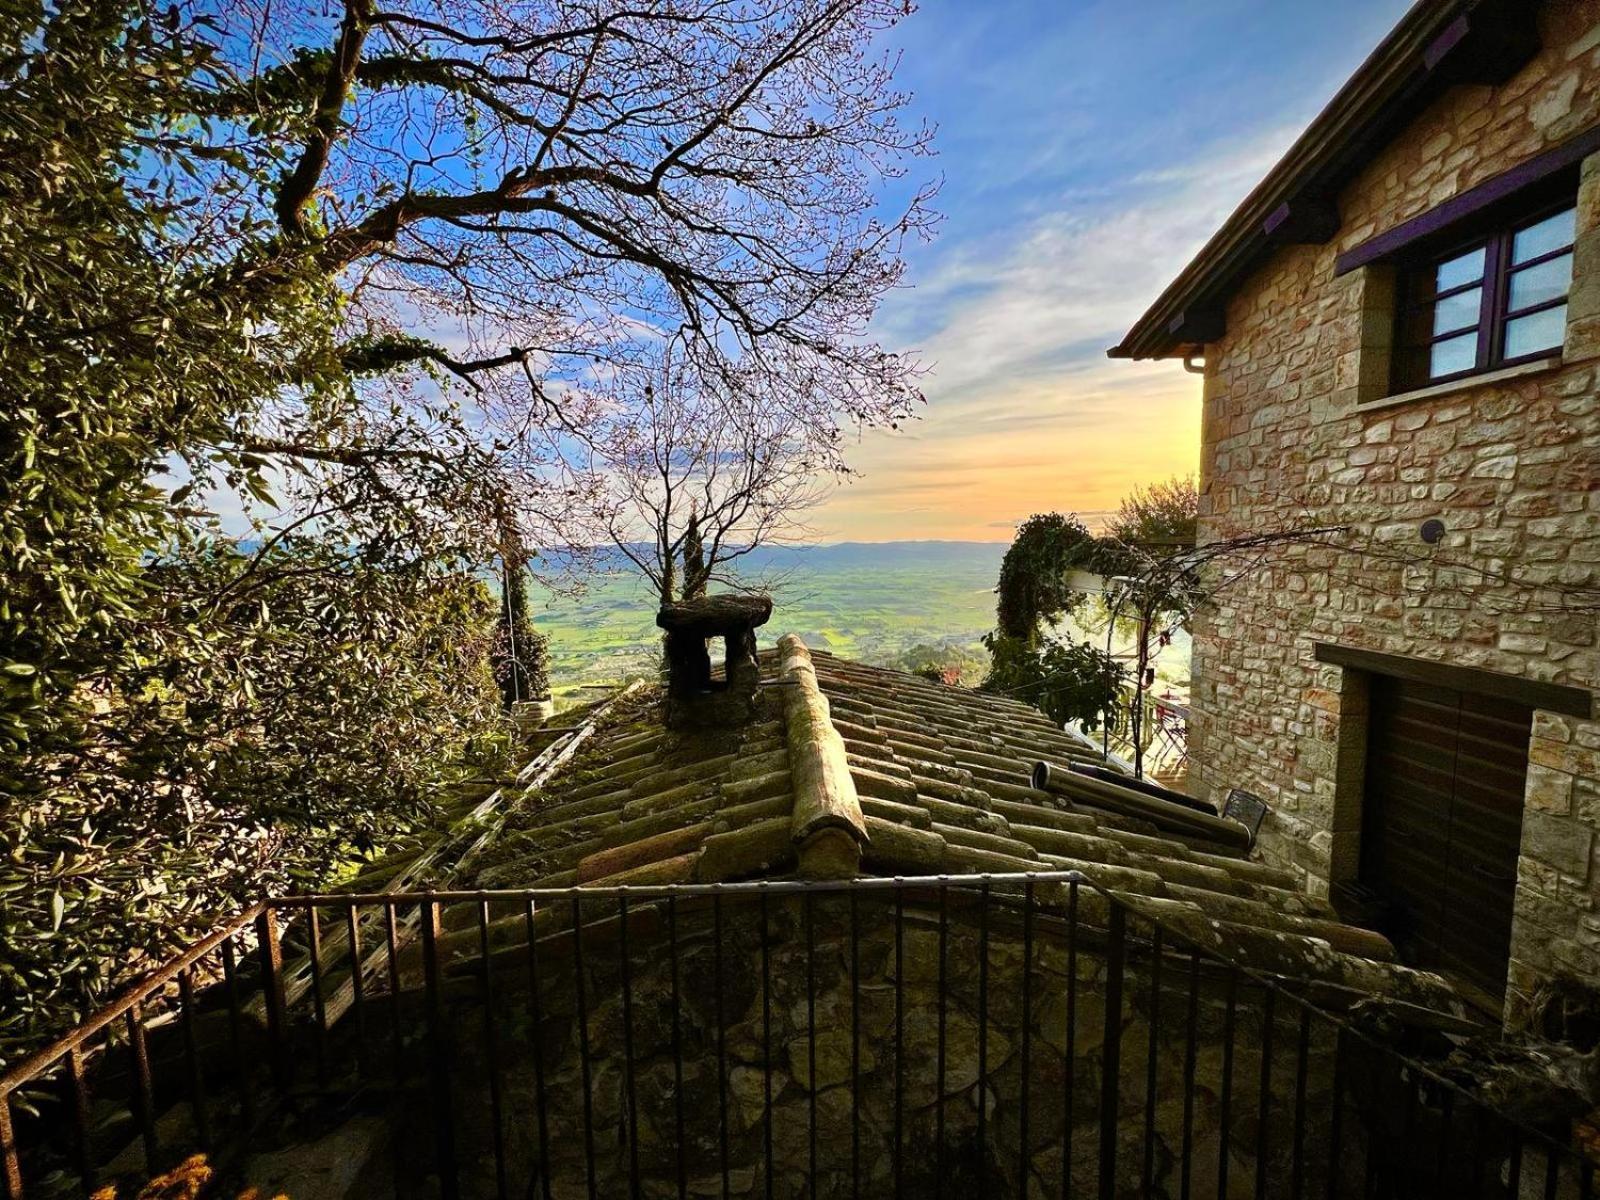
(346, 269)
(183, 719)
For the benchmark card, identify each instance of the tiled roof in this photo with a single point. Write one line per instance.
(941, 775)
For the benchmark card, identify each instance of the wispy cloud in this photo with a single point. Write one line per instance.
(1089, 149)
(1025, 413)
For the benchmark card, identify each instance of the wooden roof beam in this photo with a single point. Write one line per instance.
(1302, 221)
(1488, 45)
(1197, 326)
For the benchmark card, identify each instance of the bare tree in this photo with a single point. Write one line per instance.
(547, 189)
(697, 480)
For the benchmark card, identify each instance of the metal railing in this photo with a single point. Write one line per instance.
(999, 1035)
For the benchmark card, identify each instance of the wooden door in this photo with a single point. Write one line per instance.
(1442, 824)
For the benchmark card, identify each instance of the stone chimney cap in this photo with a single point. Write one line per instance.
(715, 616)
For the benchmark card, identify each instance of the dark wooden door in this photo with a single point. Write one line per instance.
(1442, 822)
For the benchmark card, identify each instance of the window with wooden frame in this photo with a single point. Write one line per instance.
(1494, 301)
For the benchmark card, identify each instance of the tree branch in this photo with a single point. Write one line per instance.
(295, 194)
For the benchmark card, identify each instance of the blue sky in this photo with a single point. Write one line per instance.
(1087, 150)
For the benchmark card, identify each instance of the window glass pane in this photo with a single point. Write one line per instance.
(1463, 269)
(1552, 233)
(1541, 284)
(1453, 355)
(1542, 331)
(1458, 312)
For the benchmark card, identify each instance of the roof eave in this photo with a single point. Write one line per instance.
(1436, 44)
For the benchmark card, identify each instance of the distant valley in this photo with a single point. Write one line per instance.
(877, 602)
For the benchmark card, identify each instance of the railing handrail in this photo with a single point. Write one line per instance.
(42, 1060)
(977, 881)
(772, 887)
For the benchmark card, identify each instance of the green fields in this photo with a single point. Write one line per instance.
(872, 602)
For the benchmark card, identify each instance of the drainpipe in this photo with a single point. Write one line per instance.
(1190, 366)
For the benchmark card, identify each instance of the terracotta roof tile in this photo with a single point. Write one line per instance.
(939, 780)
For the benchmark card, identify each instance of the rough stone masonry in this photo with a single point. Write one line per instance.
(1512, 468)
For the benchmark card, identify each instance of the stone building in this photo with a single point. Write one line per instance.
(1400, 337)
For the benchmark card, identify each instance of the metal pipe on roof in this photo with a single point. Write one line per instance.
(1085, 789)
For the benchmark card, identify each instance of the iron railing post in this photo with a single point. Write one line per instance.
(1024, 1157)
(271, 952)
(491, 1052)
(536, 1021)
(10, 1166)
(191, 1054)
(855, 1051)
(679, 1159)
(1147, 1165)
(319, 1010)
(899, 1039)
(1264, 1093)
(1110, 1083)
(1190, 1060)
(438, 1053)
(352, 937)
(1069, 1053)
(230, 981)
(1225, 1117)
(983, 1041)
(80, 1119)
(629, 1089)
(1297, 1163)
(144, 1100)
(766, 1042)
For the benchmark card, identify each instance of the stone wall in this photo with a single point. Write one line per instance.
(772, 1036)
(1511, 467)
(1556, 878)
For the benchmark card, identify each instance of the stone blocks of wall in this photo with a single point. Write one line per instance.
(1557, 916)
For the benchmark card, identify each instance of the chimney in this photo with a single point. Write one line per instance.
(694, 699)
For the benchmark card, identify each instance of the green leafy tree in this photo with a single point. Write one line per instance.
(1157, 585)
(224, 225)
(1161, 518)
(1071, 682)
(1033, 586)
(186, 719)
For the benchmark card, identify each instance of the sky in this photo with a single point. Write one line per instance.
(1087, 148)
